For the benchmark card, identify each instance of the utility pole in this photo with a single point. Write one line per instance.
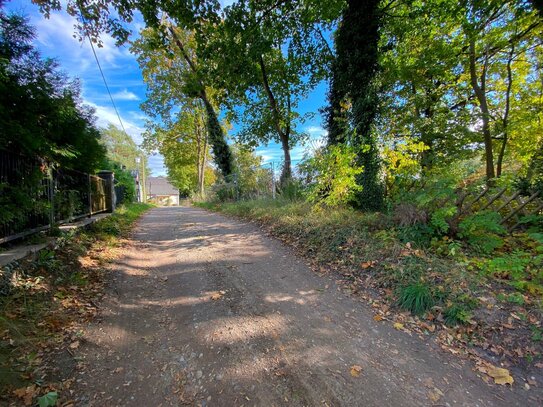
(273, 179)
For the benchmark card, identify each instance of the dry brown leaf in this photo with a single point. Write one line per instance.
(500, 375)
(26, 394)
(217, 295)
(74, 345)
(355, 370)
(368, 264)
(377, 318)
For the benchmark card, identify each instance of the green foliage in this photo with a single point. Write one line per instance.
(420, 234)
(482, 231)
(20, 198)
(513, 298)
(40, 108)
(175, 79)
(120, 222)
(416, 298)
(292, 190)
(457, 314)
(125, 179)
(48, 400)
(331, 175)
(353, 79)
(523, 270)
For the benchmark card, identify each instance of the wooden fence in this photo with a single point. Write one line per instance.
(514, 206)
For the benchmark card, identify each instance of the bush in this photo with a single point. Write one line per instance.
(482, 231)
(416, 298)
(331, 176)
(292, 190)
(457, 314)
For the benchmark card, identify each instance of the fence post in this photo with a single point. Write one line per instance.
(108, 176)
(273, 179)
(51, 197)
(90, 194)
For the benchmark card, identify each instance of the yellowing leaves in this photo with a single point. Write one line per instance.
(398, 326)
(355, 370)
(500, 375)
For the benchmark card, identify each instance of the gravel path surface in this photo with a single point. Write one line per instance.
(206, 310)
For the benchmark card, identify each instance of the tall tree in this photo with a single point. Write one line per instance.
(267, 56)
(353, 79)
(41, 113)
(168, 18)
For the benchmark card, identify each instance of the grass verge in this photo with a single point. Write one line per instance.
(44, 298)
(441, 289)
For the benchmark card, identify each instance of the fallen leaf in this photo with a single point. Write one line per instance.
(26, 394)
(500, 375)
(398, 325)
(368, 264)
(74, 345)
(435, 394)
(217, 295)
(377, 318)
(355, 370)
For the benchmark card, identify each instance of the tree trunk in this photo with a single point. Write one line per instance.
(480, 93)
(221, 150)
(198, 150)
(282, 135)
(202, 171)
(286, 174)
(505, 119)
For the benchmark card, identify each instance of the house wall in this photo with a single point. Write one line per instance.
(164, 200)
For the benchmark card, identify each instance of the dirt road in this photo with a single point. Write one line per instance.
(208, 311)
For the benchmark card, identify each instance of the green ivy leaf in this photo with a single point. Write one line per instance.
(48, 400)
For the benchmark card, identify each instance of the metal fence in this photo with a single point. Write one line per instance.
(33, 197)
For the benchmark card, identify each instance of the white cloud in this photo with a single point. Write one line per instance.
(59, 38)
(106, 115)
(156, 164)
(125, 94)
(317, 131)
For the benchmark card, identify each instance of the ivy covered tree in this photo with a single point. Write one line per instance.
(353, 81)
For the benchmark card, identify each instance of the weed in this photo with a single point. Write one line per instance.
(513, 298)
(457, 314)
(482, 231)
(420, 234)
(416, 298)
(46, 260)
(537, 334)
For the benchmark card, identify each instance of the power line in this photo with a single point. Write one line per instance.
(105, 83)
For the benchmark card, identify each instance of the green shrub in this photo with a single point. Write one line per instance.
(482, 231)
(457, 314)
(416, 298)
(292, 190)
(331, 176)
(419, 234)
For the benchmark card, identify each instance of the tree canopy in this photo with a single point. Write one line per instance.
(41, 113)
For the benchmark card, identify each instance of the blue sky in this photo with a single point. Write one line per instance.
(55, 39)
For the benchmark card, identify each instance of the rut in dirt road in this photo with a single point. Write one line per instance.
(206, 310)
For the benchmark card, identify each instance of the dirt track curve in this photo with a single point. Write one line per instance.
(205, 310)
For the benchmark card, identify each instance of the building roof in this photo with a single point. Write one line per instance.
(160, 186)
